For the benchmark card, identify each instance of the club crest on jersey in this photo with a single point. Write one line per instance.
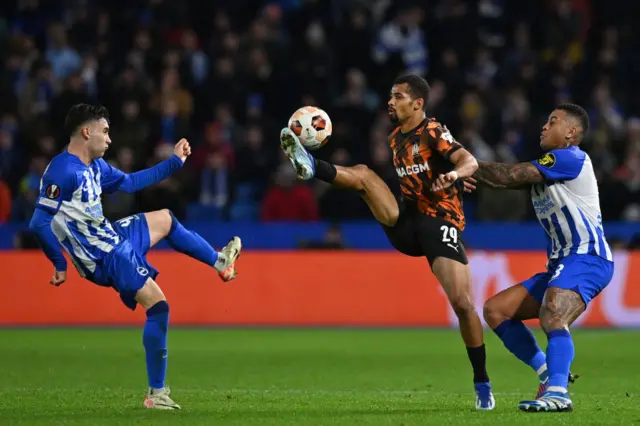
(548, 160)
(416, 149)
(52, 191)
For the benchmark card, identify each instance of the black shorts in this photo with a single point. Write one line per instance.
(417, 235)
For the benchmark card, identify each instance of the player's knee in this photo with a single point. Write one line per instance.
(551, 318)
(165, 221)
(150, 294)
(493, 313)
(360, 171)
(463, 306)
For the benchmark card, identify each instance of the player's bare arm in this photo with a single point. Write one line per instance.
(507, 176)
(465, 166)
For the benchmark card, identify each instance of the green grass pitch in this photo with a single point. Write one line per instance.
(299, 377)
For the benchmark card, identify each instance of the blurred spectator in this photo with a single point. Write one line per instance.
(6, 203)
(336, 203)
(132, 131)
(404, 39)
(30, 187)
(119, 204)
(172, 93)
(39, 92)
(64, 59)
(166, 194)
(288, 199)
(255, 163)
(331, 240)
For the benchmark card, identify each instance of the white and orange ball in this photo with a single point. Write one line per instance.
(312, 125)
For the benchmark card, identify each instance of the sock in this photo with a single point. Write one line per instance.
(478, 358)
(193, 245)
(522, 343)
(325, 171)
(560, 352)
(154, 339)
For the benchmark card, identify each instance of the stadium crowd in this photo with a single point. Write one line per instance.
(227, 75)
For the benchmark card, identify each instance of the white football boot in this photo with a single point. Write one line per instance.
(303, 162)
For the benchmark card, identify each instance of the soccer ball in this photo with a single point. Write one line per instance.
(312, 125)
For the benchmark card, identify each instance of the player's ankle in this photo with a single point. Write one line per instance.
(543, 373)
(221, 263)
(326, 172)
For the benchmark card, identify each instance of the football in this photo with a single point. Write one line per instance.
(312, 125)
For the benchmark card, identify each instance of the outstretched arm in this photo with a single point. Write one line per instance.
(116, 180)
(508, 176)
(554, 166)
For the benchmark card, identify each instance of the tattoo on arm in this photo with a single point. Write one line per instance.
(503, 176)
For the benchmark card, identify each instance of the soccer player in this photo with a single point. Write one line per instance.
(69, 214)
(564, 192)
(427, 220)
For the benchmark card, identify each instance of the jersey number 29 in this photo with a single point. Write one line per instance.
(449, 234)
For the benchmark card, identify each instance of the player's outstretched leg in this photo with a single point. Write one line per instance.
(359, 178)
(154, 339)
(163, 224)
(560, 308)
(455, 279)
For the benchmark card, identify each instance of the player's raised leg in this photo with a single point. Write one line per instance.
(163, 224)
(358, 178)
(455, 278)
(154, 339)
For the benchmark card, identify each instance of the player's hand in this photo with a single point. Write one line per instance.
(444, 181)
(182, 149)
(469, 184)
(59, 277)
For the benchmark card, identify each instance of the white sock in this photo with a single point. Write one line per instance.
(557, 389)
(541, 371)
(221, 263)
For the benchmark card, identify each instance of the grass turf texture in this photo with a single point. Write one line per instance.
(299, 377)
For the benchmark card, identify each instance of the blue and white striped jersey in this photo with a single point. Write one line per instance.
(69, 209)
(567, 205)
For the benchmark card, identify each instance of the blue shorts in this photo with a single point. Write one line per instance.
(127, 268)
(585, 274)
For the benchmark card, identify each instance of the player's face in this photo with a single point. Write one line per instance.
(557, 131)
(99, 139)
(401, 106)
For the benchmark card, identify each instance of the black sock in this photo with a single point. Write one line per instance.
(478, 358)
(325, 171)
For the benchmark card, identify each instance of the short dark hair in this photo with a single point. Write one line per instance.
(577, 112)
(82, 113)
(416, 86)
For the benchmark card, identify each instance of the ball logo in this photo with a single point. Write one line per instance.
(548, 160)
(143, 271)
(52, 191)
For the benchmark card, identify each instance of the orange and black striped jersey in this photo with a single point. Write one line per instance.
(419, 157)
